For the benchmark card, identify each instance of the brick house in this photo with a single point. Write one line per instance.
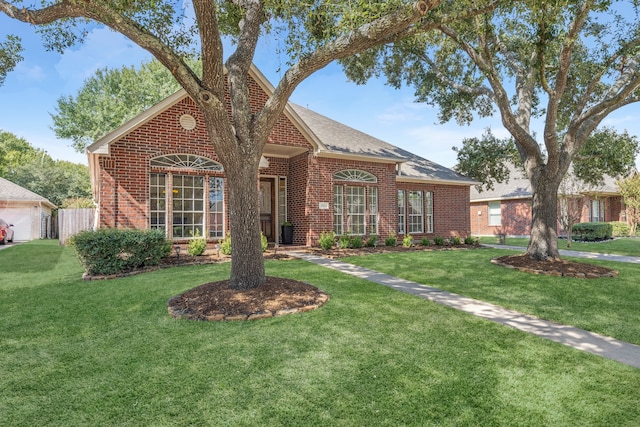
(507, 208)
(158, 170)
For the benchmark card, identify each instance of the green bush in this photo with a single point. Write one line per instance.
(356, 242)
(425, 241)
(113, 251)
(392, 240)
(371, 241)
(438, 240)
(197, 245)
(456, 240)
(225, 245)
(407, 241)
(327, 239)
(264, 243)
(620, 229)
(469, 240)
(344, 241)
(592, 231)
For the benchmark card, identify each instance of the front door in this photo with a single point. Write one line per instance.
(267, 208)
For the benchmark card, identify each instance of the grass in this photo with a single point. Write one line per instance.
(76, 353)
(610, 306)
(628, 246)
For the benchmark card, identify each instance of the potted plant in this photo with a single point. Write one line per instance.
(287, 233)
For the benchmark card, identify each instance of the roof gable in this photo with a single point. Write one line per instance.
(12, 192)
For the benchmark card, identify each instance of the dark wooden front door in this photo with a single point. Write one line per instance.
(267, 208)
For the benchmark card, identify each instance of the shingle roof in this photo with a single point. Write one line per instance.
(339, 138)
(518, 187)
(12, 192)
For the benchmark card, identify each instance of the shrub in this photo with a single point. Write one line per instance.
(456, 240)
(438, 240)
(356, 242)
(407, 241)
(592, 231)
(392, 240)
(225, 245)
(264, 243)
(372, 241)
(344, 241)
(425, 242)
(197, 245)
(327, 239)
(469, 240)
(620, 229)
(113, 251)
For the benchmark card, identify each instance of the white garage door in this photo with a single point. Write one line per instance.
(22, 221)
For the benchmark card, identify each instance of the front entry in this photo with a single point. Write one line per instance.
(268, 208)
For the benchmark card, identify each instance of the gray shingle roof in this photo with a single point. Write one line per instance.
(12, 192)
(518, 187)
(342, 139)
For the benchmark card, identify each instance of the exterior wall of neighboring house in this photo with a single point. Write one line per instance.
(514, 218)
(29, 212)
(137, 186)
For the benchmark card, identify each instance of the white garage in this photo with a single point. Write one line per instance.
(24, 209)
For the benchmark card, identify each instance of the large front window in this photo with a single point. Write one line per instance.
(596, 211)
(355, 207)
(415, 212)
(185, 205)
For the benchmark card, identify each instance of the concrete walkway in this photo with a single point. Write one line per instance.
(601, 345)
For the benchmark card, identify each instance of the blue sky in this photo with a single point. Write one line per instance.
(30, 92)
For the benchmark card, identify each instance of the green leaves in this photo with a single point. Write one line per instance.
(9, 55)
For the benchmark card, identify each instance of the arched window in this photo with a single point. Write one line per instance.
(186, 161)
(355, 175)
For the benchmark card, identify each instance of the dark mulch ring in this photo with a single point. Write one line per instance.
(216, 301)
(554, 267)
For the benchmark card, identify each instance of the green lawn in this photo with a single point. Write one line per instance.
(628, 246)
(106, 353)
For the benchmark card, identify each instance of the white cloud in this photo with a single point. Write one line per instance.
(33, 73)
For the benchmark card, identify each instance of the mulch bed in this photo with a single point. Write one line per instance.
(554, 267)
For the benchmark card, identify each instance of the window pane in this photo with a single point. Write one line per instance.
(429, 212)
(401, 212)
(188, 210)
(373, 210)
(337, 210)
(495, 215)
(356, 210)
(415, 212)
(157, 201)
(216, 207)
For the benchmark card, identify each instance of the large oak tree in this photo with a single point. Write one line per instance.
(318, 32)
(568, 64)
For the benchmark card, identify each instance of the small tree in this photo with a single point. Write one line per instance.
(570, 203)
(630, 190)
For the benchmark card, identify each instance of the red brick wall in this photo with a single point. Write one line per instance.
(515, 214)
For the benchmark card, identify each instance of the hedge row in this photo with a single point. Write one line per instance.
(112, 251)
(592, 231)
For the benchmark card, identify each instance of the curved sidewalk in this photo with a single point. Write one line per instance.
(580, 339)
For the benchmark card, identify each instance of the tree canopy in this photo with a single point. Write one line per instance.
(111, 97)
(567, 64)
(316, 34)
(9, 56)
(35, 170)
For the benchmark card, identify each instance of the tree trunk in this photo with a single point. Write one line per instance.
(247, 262)
(544, 218)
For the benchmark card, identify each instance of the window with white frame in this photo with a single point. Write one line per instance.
(355, 207)
(415, 212)
(428, 203)
(216, 207)
(158, 201)
(373, 210)
(338, 210)
(401, 212)
(178, 202)
(596, 211)
(495, 214)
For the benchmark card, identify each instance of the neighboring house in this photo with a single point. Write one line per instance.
(507, 208)
(27, 211)
(159, 171)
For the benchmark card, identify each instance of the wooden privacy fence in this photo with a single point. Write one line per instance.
(72, 221)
